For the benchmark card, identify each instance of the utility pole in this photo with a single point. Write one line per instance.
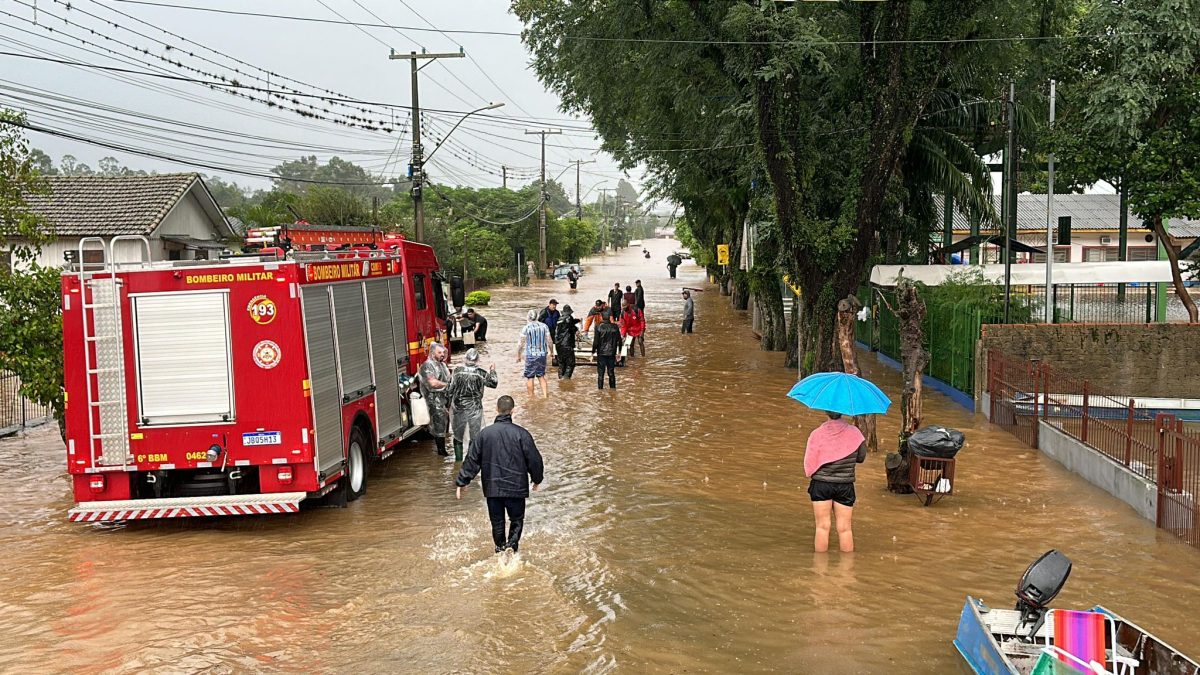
(542, 214)
(1010, 216)
(604, 218)
(466, 255)
(418, 171)
(504, 177)
(1050, 219)
(578, 198)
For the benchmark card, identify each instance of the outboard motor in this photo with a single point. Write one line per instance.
(1038, 587)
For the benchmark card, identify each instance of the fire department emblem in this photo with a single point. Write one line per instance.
(267, 354)
(261, 309)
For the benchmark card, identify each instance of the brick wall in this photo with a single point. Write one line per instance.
(1158, 359)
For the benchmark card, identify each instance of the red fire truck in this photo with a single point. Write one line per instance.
(241, 386)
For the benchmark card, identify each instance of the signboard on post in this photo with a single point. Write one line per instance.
(722, 254)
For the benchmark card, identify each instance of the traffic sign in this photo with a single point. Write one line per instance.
(722, 254)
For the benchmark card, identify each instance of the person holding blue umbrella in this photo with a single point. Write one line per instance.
(835, 448)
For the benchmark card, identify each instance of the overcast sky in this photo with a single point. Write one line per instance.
(253, 137)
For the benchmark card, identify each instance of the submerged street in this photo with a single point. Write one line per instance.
(673, 534)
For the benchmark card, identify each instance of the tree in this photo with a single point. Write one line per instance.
(30, 320)
(333, 206)
(1131, 111)
(69, 166)
(819, 110)
(42, 162)
(302, 174)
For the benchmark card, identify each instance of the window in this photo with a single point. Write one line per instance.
(1062, 254)
(439, 299)
(1101, 254)
(1143, 253)
(419, 290)
(93, 256)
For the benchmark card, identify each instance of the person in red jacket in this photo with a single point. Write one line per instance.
(633, 324)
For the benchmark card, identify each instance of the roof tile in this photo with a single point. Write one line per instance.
(109, 205)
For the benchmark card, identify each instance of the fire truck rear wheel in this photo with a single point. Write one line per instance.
(356, 464)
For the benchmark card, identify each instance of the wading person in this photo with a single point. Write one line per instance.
(833, 451)
(605, 346)
(434, 378)
(673, 262)
(633, 325)
(465, 394)
(509, 460)
(689, 312)
(534, 349)
(564, 342)
(573, 278)
(593, 315)
(614, 300)
(639, 294)
(480, 324)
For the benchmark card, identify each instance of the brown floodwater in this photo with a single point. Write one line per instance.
(673, 535)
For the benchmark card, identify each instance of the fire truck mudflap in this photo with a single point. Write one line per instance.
(187, 507)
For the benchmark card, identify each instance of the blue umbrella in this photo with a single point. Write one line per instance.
(841, 393)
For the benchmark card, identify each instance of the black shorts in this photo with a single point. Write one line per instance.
(842, 493)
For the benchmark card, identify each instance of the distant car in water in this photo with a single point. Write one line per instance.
(560, 272)
(684, 254)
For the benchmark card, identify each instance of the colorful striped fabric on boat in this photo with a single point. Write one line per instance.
(1080, 634)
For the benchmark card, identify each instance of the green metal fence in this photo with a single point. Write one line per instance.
(951, 332)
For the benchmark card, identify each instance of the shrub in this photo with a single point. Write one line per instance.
(478, 298)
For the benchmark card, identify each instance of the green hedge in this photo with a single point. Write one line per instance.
(478, 298)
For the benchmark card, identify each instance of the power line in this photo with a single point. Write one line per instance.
(269, 73)
(590, 38)
(181, 160)
(218, 82)
(169, 47)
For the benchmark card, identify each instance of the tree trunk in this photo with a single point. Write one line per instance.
(740, 291)
(770, 316)
(848, 309)
(816, 332)
(792, 358)
(910, 311)
(1176, 277)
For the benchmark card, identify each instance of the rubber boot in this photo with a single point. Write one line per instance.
(441, 446)
(458, 450)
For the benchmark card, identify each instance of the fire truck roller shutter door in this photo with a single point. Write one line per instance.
(399, 320)
(184, 376)
(350, 325)
(383, 359)
(322, 368)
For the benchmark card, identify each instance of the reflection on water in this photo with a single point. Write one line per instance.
(673, 534)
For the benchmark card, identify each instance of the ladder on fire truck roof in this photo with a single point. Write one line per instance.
(104, 350)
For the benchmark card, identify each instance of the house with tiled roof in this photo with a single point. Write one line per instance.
(1095, 229)
(175, 213)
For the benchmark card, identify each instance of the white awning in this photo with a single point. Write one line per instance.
(1033, 274)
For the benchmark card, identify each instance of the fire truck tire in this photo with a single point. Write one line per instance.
(356, 464)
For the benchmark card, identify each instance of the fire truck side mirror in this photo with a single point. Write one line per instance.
(457, 291)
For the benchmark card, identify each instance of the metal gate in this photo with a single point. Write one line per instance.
(1178, 481)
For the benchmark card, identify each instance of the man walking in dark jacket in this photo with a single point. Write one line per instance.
(605, 346)
(509, 461)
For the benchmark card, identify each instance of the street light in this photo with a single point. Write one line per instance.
(490, 106)
(418, 169)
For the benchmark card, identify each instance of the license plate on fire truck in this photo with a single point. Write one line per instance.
(262, 438)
